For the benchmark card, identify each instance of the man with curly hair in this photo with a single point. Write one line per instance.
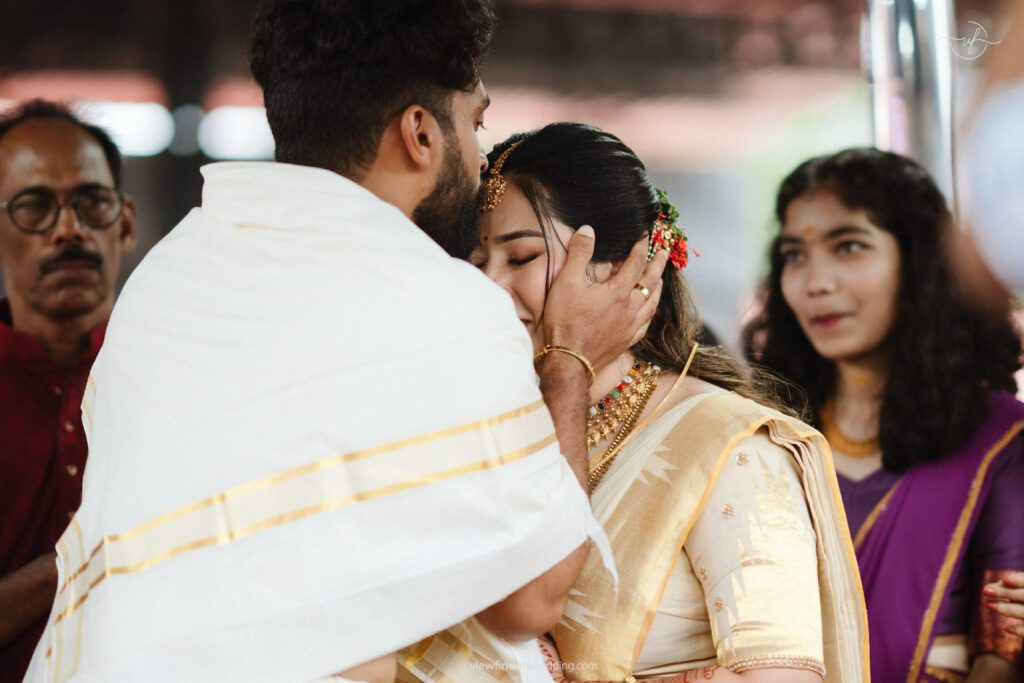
(315, 437)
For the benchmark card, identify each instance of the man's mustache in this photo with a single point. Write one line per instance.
(73, 254)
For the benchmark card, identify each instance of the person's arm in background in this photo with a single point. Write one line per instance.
(996, 556)
(1007, 598)
(984, 253)
(26, 596)
(1003, 66)
(600, 321)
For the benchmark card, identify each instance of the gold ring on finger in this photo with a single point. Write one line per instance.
(643, 291)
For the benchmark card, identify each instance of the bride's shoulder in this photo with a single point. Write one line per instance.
(713, 402)
(680, 390)
(717, 416)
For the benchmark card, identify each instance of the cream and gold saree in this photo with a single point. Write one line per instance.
(731, 548)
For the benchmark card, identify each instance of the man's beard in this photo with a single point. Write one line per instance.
(450, 213)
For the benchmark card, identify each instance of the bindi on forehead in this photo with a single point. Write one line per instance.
(810, 231)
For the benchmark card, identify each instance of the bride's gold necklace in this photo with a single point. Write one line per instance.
(841, 442)
(615, 415)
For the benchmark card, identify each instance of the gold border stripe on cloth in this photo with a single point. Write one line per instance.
(876, 512)
(953, 550)
(268, 481)
(363, 496)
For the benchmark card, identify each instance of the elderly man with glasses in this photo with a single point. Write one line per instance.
(64, 226)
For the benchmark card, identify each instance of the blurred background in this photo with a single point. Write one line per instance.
(720, 98)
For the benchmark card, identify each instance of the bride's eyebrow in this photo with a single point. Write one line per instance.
(518, 234)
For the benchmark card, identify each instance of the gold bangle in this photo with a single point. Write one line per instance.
(548, 348)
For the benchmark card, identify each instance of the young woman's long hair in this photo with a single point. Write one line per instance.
(580, 175)
(944, 358)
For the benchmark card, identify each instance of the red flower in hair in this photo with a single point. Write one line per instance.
(679, 256)
(667, 234)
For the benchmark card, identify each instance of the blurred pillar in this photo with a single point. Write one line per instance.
(909, 63)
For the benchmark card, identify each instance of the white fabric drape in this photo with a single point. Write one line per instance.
(314, 439)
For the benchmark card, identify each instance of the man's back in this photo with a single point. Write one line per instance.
(308, 425)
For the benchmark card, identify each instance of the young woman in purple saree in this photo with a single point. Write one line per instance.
(912, 390)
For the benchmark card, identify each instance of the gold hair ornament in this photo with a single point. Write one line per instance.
(495, 185)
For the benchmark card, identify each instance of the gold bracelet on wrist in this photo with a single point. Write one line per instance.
(548, 348)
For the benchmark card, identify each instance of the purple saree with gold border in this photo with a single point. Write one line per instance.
(912, 546)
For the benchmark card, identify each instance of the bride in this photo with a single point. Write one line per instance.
(733, 556)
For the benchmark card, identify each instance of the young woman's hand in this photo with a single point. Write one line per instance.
(1007, 598)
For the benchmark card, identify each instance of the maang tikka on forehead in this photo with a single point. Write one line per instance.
(495, 185)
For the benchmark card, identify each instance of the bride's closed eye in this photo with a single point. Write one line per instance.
(521, 261)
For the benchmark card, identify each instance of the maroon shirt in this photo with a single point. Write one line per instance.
(42, 457)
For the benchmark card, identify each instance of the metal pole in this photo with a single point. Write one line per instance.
(909, 65)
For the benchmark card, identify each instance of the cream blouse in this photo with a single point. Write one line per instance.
(744, 593)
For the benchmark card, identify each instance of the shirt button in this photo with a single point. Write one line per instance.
(68, 426)
(57, 391)
(72, 470)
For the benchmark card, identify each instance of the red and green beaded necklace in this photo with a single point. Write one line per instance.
(606, 416)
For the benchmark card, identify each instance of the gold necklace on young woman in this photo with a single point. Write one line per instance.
(615, 415)
(856, 448)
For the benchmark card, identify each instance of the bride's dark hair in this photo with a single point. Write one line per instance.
(581, 175)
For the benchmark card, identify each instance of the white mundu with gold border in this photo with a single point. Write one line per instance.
(314, 439)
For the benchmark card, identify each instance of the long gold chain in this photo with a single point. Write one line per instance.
(652, 371)
(643, 397)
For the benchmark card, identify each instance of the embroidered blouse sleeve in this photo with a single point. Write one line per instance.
(753, 547)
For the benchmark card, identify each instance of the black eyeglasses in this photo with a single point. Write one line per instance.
(37, 210)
